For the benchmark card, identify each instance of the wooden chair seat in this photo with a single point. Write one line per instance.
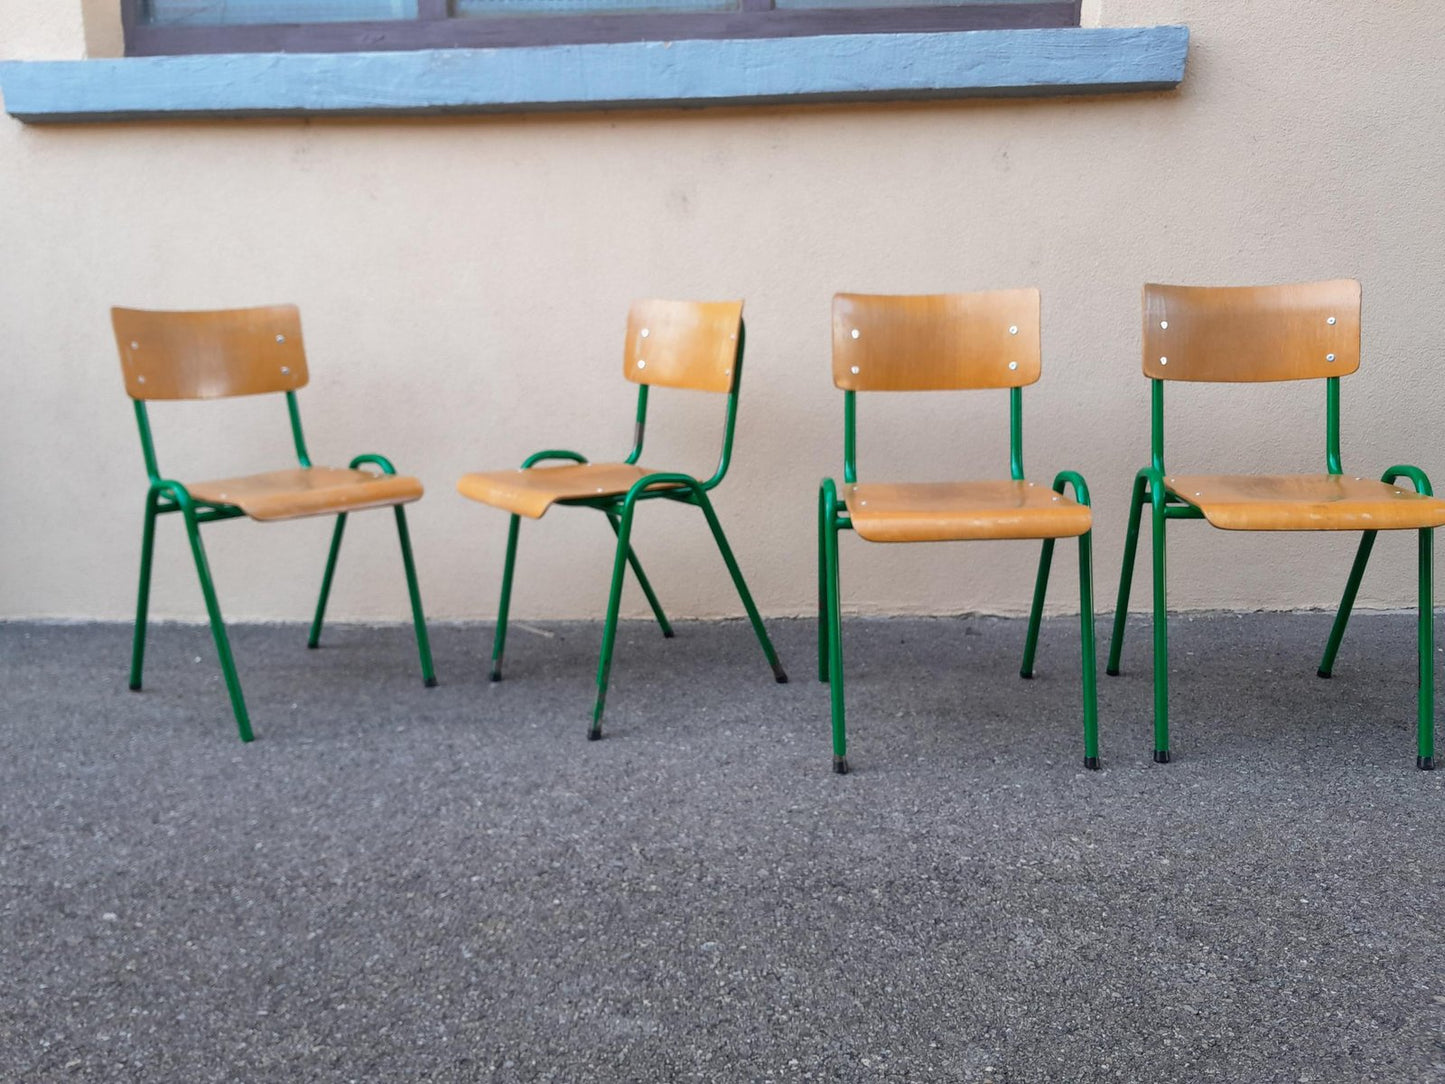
(531, 491)
(955, 511)
(307, 491)
(1305, 502)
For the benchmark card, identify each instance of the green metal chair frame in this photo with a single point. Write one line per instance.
(166, 495)
(1150, 488)
(833, 517)
(620, 510)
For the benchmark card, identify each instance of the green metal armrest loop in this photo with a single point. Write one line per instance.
(1075, 479)
(375, 460)
(176, 491)
(1415, 474)
(552, 453)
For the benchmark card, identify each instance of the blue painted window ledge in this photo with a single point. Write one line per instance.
(854, 67)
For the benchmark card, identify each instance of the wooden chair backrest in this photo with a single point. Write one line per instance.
(210, 355)
(1252, 333)
(683, 344)
(936, 342)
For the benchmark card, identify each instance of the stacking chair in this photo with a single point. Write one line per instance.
(214, 355)
(946, 342)
(675, 344)
(1309, 331)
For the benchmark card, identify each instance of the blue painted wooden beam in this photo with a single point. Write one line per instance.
(853, 67)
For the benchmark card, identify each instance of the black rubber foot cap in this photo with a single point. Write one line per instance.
(840, 765)
(496, 675)
(595, 734)
(310, 646)
(1027, 675)
(1092, 763)
(668, 634)
(778, 675)
(1322, 673)
(430, 683)
(1161, 756)
(1425, 764)
(135, 686)
(1112, 673)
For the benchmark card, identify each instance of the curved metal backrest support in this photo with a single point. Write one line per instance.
(683, 344)
(210, 354)
(1235, 334)
(936, 342)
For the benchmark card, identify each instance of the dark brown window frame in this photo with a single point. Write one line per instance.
(436, 28)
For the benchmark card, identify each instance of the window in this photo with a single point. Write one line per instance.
(167, 27)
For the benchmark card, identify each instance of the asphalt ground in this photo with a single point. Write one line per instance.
(396, 883)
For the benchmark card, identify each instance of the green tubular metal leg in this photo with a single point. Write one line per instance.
(825, 515)
(314, 639)
(696, 494)
(643, 582)
(1425, 705)
(834, 522)
(423, 642)
(180, 501)
(1087, 649)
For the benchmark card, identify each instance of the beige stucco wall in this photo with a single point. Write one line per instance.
(464, 283)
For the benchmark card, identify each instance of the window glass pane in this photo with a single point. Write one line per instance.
(252, 12)
(587, 7)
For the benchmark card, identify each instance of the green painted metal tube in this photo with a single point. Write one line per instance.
(314, 639)
(1016, 434)
(147, 442)
(643, 582)
(639, 426)
(1425, 708)
(297, 436)
(1161, 623)
(825, 515)
(1036, 609)
(742, 588)
(213, 611)
(499, 635)
(143, 592)
(609, 627)
(1347, 603)
(731, 421)
(1126, 573)
(1332, 425)
(423, 643)
(1156, 426)
(850, 437)
(1089, 660)
(552, 453)
(829, 501)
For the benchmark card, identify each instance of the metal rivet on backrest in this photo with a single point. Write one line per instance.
(135, 346)
(644, 333)
(284, 370)
(1329, 357)
(140, 380)
(280, 338)
(1013, 365)
(1163, 361)
(1013, 330)
(855, 333)
(1164, 324)
(641, 364)
(1330, 321)
(855, 370)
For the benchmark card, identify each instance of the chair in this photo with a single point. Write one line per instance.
(677, 344)
(214, 355)
(946, 342)
(1308, 331)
